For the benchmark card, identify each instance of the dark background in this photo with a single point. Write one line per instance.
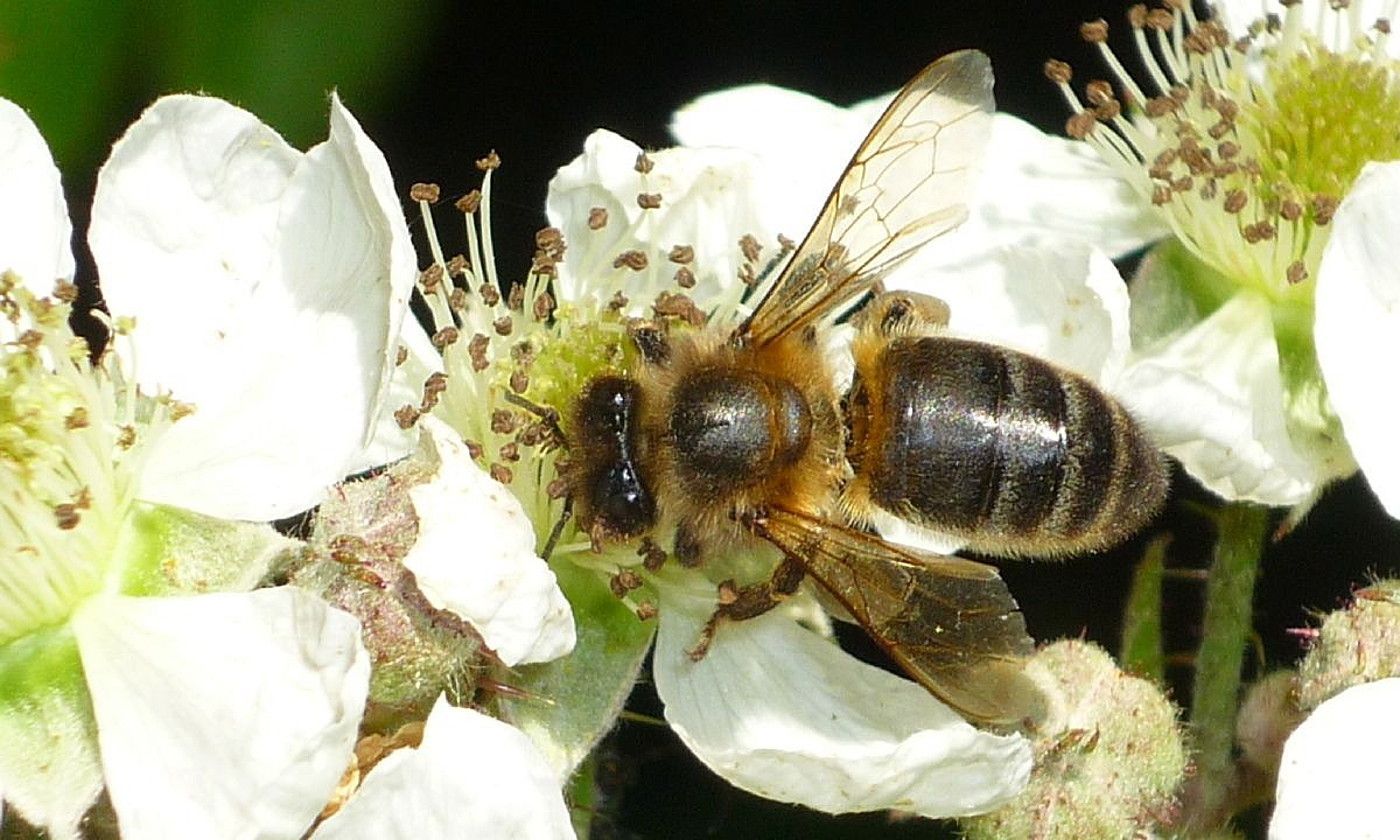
(437, 85)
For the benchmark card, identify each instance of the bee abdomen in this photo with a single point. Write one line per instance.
(1003, 449)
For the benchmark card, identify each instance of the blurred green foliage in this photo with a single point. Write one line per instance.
(85, 68)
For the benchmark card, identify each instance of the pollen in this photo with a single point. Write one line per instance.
(1245, 145)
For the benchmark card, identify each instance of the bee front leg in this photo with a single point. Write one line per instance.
(740, 603)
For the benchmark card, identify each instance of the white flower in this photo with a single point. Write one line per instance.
(1255, 332)
(472, 776)
(213, 715)
(1339, 766)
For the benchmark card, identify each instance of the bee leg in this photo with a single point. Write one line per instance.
(740, 603)
(687, 548)
(902, 314)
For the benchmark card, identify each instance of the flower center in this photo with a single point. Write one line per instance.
(69, 443)
(1249, 145)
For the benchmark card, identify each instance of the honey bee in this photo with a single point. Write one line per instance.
(741, 433)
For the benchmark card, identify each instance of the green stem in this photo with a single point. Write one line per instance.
(1225, 635)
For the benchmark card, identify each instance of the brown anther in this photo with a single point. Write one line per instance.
(519, 381)
(1339, 5)
(531, 435)
(676, 305)
(30, 340)
(1235, 200)
(747, 276)
(126, 437)
(1297, 273)
(653, 557)
(644, 164)
(446, 337)
(551, 241)
(1094, 31)
(469, 203)
(491, 161)
(400, 355)
(457, 266)
(1209, 189)
(503, 325)
(1243, 44)
(1159, 19)
(1058, 71)
(504, 421)
(67, 516)
(431, 278)
(458, 300)
(1258, 232)
(405, 416)
(1159, 106)
(597, 218)
(1081, 125)
(65, 291)
(180, 410)
(1183, 184)
(1137, 15)
(1220, 129)
(646, 611)
(1161, 195)
(543, 306)
(1198, 42)
(501, 473)
(425, 192)
(557, 489)
(476, 350)
(510, 452)
(750, 247)
(1291, 210)
(1382, 25)
(490, 295)
(635, 260)
(685, 278)
(1323, 208)
(77, 419)
(617, 302)
(649, 201)
(681, 254)
(625, 581)
(434, 385)
(1098, 92)
(1227, 150)
(515, 301)
(474, 449)
(522, 353)
(1109, 110)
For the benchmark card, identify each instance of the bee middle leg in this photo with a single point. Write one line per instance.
(740, 603)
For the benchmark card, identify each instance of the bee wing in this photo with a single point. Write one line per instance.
(950, 623)
(908, 183)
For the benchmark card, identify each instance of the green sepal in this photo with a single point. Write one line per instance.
(1141, 652)
(169, 551)
(50, 768)
(574, 700)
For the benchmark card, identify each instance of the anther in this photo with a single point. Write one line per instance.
(635, 260)
(469, 203)
(445, 337)
(425, 192)
(644, 164)
(1058, 72)
(490, 162)
(503, 325)
(1094, 31)
(1297, 273)
(476, 350)
(750, 247)
(501, 473)
(405, 416)
(649, 201)
(685, 278)
(681, 254)
(597, 218)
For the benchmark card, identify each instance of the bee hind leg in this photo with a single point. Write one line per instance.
(740, 603)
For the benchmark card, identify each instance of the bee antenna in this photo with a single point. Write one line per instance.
(547, 415)
(558, 528)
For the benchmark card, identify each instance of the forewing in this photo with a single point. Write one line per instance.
(950, 623)
(908, 183)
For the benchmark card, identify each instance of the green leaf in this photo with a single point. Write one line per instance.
(576, 699)
(1141, 651)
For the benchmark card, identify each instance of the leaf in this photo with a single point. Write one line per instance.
(1141, 649)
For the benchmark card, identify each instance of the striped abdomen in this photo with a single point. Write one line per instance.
(1015, 455)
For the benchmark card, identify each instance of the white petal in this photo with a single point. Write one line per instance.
(390, 440)
(707, 202)
(1034, 188)
(473, 776)
(1064, 303)
(1213, 399)
(226, 715)
(475, 555)
(35, 233)
(785, 714)
(268, 287)
(1357, 323)
(1337, 778)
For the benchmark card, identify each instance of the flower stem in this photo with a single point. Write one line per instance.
(1225, 635)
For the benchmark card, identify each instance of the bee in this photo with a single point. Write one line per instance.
(742, 434)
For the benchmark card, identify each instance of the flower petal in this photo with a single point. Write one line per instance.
(1337, 778)
(35, 233)
(1212, 398)
(1357, 322)
(706, 203)
(1035, 189)
(781, 712)
(473, 776)
(268, 288)
(226, 715)
(475, 555)
(1063, 303)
